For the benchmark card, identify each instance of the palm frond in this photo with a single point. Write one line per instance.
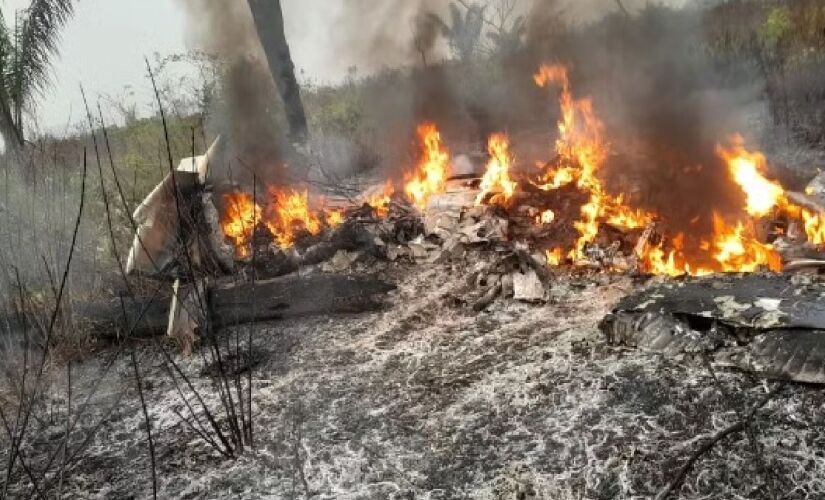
(38, 38)
(456, 19)
(439, 23)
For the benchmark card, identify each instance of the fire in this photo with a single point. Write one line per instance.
(655, 262)
(738, 251)
(433, 169)
(497, 176)
(814, 227)
(554, 256)
(290, 214)
(334, 218)
(763, 195)
(380, 200)
(629, 218)
(583, 150)
(546, 217)
(747, 169)
(241, 215)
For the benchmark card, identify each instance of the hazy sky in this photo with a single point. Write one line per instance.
(105, 43)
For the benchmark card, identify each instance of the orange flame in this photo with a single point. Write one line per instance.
(763, 195)
(289, 215)
(433, 169)
(380, 200)
(673, 263)
(738, 251)
(554, 256)
(747, 169)
(497, 176)
(334, 218)
(814, 227)
(241, 215)
(582, 150)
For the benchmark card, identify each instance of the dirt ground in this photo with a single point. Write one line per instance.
(427, 399)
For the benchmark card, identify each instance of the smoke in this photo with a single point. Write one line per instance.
(667, 107)
(374, 34)
(244, 111)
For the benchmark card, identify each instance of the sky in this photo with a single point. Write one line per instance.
(104, 45)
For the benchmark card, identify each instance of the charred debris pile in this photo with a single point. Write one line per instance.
(260, 251)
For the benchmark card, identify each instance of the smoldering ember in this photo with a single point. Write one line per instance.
(493, 249)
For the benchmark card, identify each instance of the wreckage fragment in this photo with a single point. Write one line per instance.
(171, 214)
(767, 323)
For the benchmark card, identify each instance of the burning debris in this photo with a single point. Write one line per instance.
(514, 227)
(566, 206)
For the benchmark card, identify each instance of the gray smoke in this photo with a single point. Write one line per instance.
(244, 109)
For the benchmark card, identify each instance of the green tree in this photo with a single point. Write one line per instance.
(27, 45)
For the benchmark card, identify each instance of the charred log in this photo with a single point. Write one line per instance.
(233, 304)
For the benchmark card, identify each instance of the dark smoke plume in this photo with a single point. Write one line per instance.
(244, 112)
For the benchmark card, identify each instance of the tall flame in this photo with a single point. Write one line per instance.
(240, 216)
(747, 169)
(433, 169)
(497, 176)
(583, 150)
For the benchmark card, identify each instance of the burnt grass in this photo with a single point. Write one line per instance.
(427, 399)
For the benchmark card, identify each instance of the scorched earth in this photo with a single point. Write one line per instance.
(429, 399)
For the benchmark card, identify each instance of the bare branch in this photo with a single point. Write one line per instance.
(739, 426)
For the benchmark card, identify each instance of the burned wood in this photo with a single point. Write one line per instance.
(348, 237)
(488, 298)
(295, 296)
(231, 304)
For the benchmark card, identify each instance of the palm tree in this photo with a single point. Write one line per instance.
(464, 31)
(507, 42)
(269, 22)
(26, 50)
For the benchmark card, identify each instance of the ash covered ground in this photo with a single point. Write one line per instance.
(428, 399)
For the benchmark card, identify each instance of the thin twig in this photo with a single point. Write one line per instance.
(148, 424)
(104, 194)
(739, 426)
(56, 310)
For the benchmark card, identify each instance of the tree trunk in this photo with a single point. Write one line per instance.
(269, 22)
(10, 133)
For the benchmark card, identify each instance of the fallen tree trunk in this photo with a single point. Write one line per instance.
(233, 304)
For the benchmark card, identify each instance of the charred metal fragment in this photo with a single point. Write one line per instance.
(765, 323)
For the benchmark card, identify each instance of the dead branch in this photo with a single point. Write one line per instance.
(739, 426)
(756, 446)
(622, 8)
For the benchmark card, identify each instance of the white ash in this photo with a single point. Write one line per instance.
(430, 400)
